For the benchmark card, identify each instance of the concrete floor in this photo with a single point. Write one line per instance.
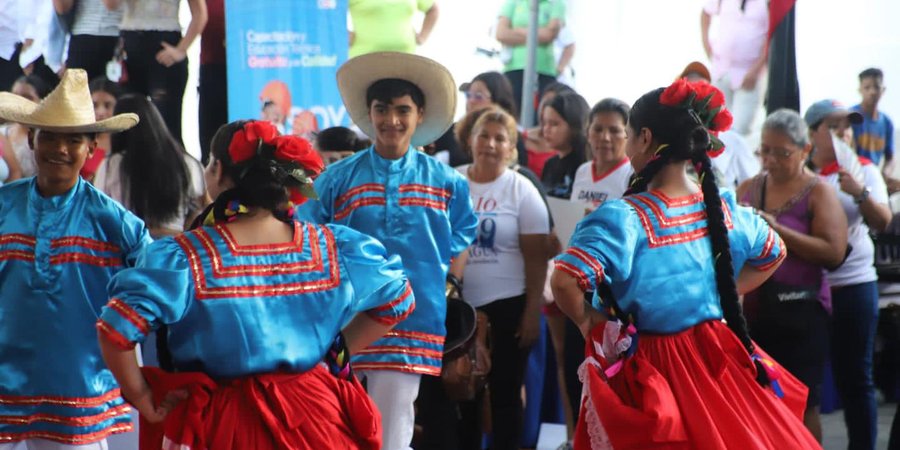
(834, 432)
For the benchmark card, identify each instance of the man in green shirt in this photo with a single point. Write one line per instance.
(512, 32)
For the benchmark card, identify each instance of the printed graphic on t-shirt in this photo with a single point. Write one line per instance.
(483, 251)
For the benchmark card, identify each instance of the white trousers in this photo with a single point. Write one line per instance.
(743, 104)
(394, 393)
(43, 444)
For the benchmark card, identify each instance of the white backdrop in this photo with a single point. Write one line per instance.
(628, 47)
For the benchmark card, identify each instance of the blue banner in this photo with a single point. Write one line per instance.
(282, 60)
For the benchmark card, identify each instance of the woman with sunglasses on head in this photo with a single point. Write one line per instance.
(669, 260)
(486, 90)
(805, 212)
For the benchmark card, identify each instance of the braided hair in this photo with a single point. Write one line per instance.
(683, 137)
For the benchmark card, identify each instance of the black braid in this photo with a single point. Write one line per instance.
(725, 281)
(668, 125)
(640, 180)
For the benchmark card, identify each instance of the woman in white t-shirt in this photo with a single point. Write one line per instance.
(150, 174)
(607, 175)
(505, 271)
(854, 285)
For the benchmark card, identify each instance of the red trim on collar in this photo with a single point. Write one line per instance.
(598, 178)
(831, 169)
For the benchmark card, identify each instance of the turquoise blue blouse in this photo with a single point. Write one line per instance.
(57, 255)
(656, 256)
(419, 208)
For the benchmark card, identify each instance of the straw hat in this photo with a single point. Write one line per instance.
(68, 109)
(356, 75)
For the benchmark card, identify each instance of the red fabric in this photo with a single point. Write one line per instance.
(92, 164)
(777, 10)
(536, 161)
(212, 40)
(694, 390)
(312, 410)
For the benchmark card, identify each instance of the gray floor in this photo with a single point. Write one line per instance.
(834, 433)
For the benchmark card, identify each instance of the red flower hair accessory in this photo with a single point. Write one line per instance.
(707, 103)
(305, 162)
(248, 140)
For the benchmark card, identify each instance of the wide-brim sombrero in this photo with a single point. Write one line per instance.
(356, 75)
(68, 109)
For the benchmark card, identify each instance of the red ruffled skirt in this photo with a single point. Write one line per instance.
(692, 390)
(312, 410)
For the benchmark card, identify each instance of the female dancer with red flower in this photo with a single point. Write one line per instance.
(671, 374)
(261, 311)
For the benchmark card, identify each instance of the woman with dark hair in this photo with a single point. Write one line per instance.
(563, 119)
(104, 95)
(262, 312)
(487, 89)
(536, 148)
(671, 259)
(336, 143)
(606, 176)
(149, 172)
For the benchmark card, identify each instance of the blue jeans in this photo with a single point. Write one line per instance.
(852, 343)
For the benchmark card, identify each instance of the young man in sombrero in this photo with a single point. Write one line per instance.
(61, 241)
(416, 206)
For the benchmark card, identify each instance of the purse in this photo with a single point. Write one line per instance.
(467, 354)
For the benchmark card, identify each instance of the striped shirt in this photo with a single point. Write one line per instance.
(92, 18)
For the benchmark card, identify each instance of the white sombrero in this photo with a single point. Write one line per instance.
(68, 109)
(356, 75)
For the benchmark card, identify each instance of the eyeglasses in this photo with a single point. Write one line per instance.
(479, 96)
(778, 153)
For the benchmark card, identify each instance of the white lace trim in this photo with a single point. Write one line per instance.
(598, 436)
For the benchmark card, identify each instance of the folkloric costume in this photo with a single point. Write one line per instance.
(674, 376)
(416, 206)
(419, 209)
(250, 325)
(57, 255)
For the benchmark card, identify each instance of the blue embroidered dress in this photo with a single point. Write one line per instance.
(420, 210)
(690, 383)
(626, 241)
(236, 310)
(57, 255)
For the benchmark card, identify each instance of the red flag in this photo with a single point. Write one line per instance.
(777, 10)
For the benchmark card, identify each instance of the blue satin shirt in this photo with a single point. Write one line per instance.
(56, 256)
(237, 310)
(420, 209)
(656, 255)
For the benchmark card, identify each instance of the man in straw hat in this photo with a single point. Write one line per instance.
(416, 206)
(61, 240)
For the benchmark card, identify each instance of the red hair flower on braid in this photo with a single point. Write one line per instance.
(246, 142)
(298, 150)
(306, 162)
(706, 102)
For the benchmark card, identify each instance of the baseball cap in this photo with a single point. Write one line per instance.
(821, 109)
(697, 68)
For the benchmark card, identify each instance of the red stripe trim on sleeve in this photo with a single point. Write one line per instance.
(573, 271)
(130, 314)
(387, 307)
(112, 335)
